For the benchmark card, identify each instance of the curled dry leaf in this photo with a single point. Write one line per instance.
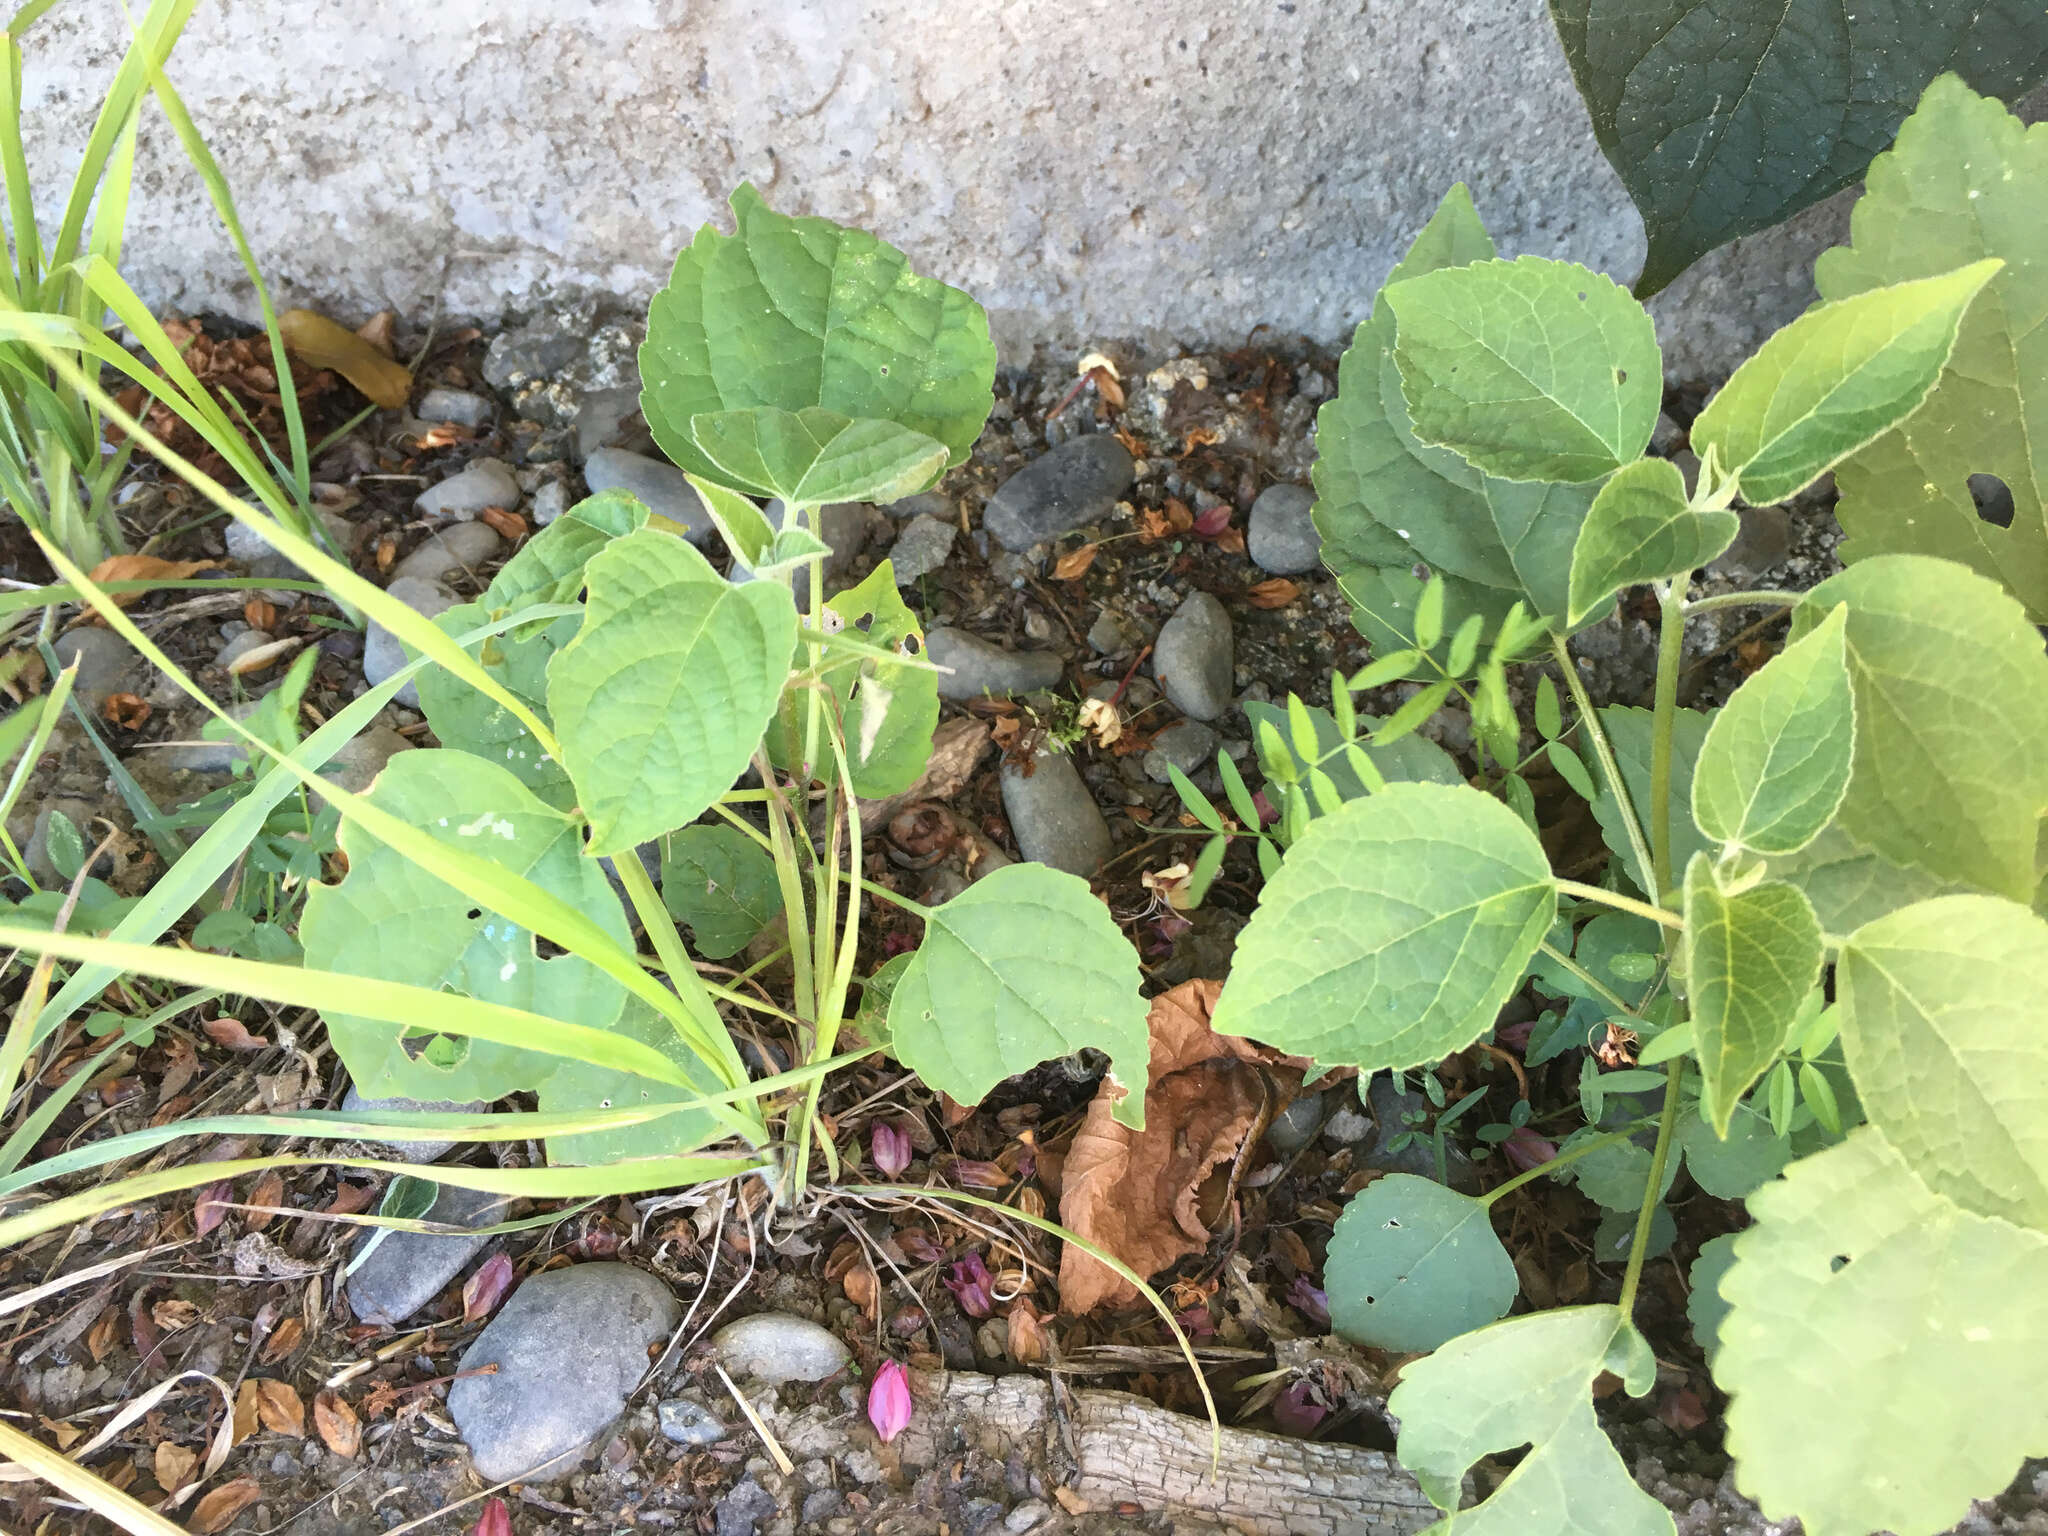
(264, 656)
(269, 1190)
(105, 1330)
(143, 568)
(218, 1509)
(246, 1418)
(1075, 562)
(233, 1034)
(174, 1465)
(126, 711)
(482, 1291)
(510, 524)
(324, 344)
(259, 613)
(1102, 721)
(1133, 1193)
(288, 1336)
(340, 1430)
(1026, 1338)
(209, 1210)
(278, 1407)
(1274, 592)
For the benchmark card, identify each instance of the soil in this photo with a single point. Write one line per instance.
(258, 1296)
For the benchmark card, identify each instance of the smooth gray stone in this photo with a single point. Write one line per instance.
(742, 1510)
(1195, 658)
(106, 664)
(247, 641)
(1295, 1126)
(482, 483)
(457, 405)
(600, 413)
(549, 502)
(1053, 816)
(774, 1347)
(921, 548)
(382, 652)
(688, 1422)
(458, 547)
(660, 485)
(570, 1346)
(408, 1269)
(1115, 634)
(538, 350)
(1077, 483)
(254, 552)
(412, 1151)
(1283, 538)
(1188, 746)
(980, 666)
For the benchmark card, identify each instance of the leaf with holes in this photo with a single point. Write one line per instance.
(1412, 1265)
(722, 883)
(814, 456)
(1640, 529)
(1023, 966)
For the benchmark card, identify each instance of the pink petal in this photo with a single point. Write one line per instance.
(482, 1291)
(890, 1149)
(889, 1400)
(496, 1520)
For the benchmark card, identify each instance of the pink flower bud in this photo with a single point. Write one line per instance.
(1310, 1302)
(890, 1148)
(1526, 1150)
(972, 1286)
(889, 1400)
(496, 1520)
(1296, 1411)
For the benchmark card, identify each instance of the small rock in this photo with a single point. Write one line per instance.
(823, 1505)
(1195, 658)
(106, 664)
(774, 1347)
(1296, 1125)
(1665, 436)
(549, 502)
(484, 483)
(1347, 1127)
(382, 653)
(1188, 746)
(408, 1269)
(1076, 483)
(537, 350)
(921, 548)
(743, 1509)
(363, 757)
(241, 645)
(410, 1151)
(600, 414)
(569, 1346)
(1283, 539)
(933, 504)
(1027, 1516)
(1115, 634)
(457, 405)
(1053, 816)
(458, 547)
(1764, 540)
(863, 1466)
(254, 552)
(688, 1422)
(660, 485)
(977, 1515)
(980, 666)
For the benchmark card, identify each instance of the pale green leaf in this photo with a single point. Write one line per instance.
(1615, 1238)
(1751, 956)
(722, 884)
(1966, 179)
(795, 312)
(1884, 1349)
(1530, 369)
(663, 695)
(582, 1085)
(1414, 759)
(1524, 1382)
(1850, 885)
(744, 527)
(1942, 1026)
(1704, 1308)
(1023, 966)
(1617, 1176)
(1394, 931)
(1629, 731)
(1413, 1264)
(814, 456)
(1833, 381)
(1734, 1167)
(1641, 529)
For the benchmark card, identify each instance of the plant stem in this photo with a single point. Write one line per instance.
(1759, 599)
(1600, 989)
(1667, 1124)
(1604, 752)
(1670, 650)
(787, 876)
(1619, 902)
(1569, 1155)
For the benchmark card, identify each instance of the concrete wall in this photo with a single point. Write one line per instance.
(1166, 170)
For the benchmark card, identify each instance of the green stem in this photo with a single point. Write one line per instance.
(1606, 994)
(1569, 1155)
(1667, 1124)
(1603, 752)
(1619, 902)
(790, 880)
(1759, 599)
(1670, 650)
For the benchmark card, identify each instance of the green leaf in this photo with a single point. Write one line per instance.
(1640, 528)
(1529, 369)
(1413, 1264)
(1775, 765)
(1571, 770)
(1943, 781)
(1751, 956)
(1600, 943)
(1735, 1166)
(1629, 732)
(744, 527)
(722, 883)
(392, 920)
(1549, 713)
(815, 456)
(796, 312)
(1394, 932)
(1527, 1381)
(1704, 1308)
(1022, 966)
(587, 1085)
(1864, 1309)
(1942, 1027)
(1617, 1176)
(1850, 885)
(1615, 1237)
(1965, 180)
(1725, 117)
(1412, 759)
(663, 695)
(1833, 381)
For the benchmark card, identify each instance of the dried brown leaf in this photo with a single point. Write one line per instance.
(214, 1512)
(283, 1341)
(174, 1465)
(259, 613)
(233, 1034)
(1074, 564)
(210, 1209)
(246, 1416)
(105, 1330)
(324, 344)
(128, 711)
(279, 1407)
(482, 1291)
(143, 568)
(1274, 592)
(1025, 1341)
(340, 1430)
(269, 1190)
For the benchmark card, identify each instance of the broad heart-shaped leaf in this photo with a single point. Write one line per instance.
(1531, 369)
(814, 456)
(1528, 1381)
(722, 883)
(1833, 381)
(585, 1085)
(1412, 1265)
(1951, 692)
(391, 919)
(1394, 931)
(1725, 117)
(1965, 180)
(1943, 1027)
(1850, 884)
(661, 698)
(1022, 966)
(1640, 529)
(1751, 956)
(1775, 765)
(796, 312)
(1884, 1348)
(1629, 732)
(1734, 1167)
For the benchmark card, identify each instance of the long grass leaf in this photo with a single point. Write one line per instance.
(67, 1476)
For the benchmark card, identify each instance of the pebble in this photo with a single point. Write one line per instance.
(1115, 634)
(570, 1345)
(982, 666)
(1296, 1125)
(106, 664)
(549, 502)
(1013, 570)
(483, 483)
(254, 552)
(382, 653)
(977, 1515)
(742, 1510)
(1188, 746)
(1027, 1516)
(774, 1347)
(659, 485)
(688, 1422)
(921, 548)
(202, 756)
(458, 547)
(1077, 483)
(1347, 1127)
(600, 414)
(933, 504)
(410, 1151)
(1195, 658)
(409, 1269)
(823, 1505)
(457, 405)
(1053, 816)
(1283, 539)
(241, 645)
(1763, 540)
(537, 350)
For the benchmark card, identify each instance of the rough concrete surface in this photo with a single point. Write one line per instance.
(1143, 169)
